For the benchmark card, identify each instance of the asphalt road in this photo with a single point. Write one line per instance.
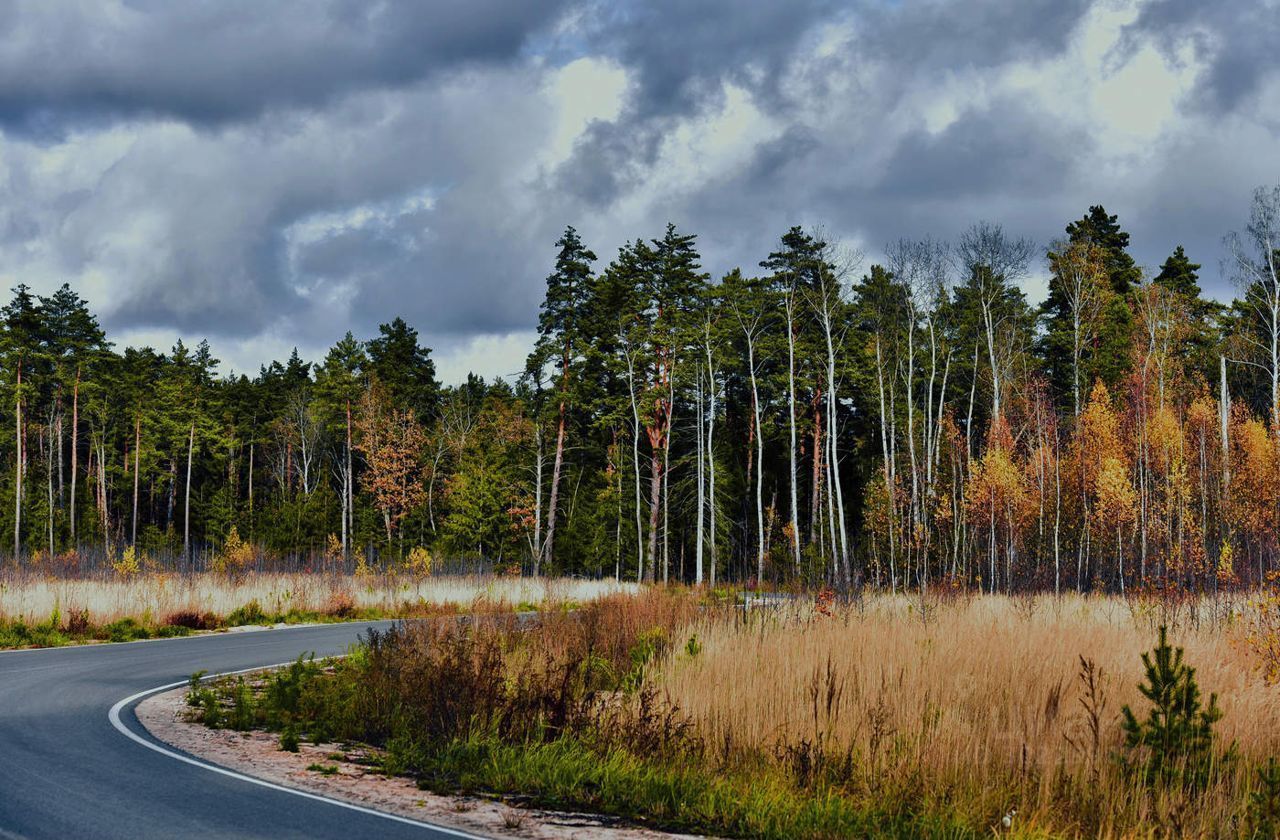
(67, 772)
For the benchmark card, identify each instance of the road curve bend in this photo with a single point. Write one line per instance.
(67, 772)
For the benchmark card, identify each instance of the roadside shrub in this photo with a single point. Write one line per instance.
(19, 634)
(192, 620)
(341, 605)
(125, 630)
(242, 706)
(289, 739)
(284, 691)
(77, 622)
(250, 613)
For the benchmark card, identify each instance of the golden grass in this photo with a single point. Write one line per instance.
(158, 595)
(976, 704)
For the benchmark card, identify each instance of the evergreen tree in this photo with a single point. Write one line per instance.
(1109, 358)
(1181, 276)
(405, 368)
(561, 341)
(1174, 743)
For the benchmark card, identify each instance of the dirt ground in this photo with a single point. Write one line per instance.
(258, 754)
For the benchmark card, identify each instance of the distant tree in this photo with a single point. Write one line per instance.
(489, 493)
(1080, 291)
(340, 381)
(391, 441)
(405, 368)
(562, 342)
(1109, 358)
(994, 262)
(1255, 258)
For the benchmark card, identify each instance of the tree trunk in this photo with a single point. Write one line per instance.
(791, 412)
(666, 480)
(553, 499)
(700, 476)
(102, 494)
(755, 414)
(75, 455)
(137, 445)
(348, 521)
(58, 454)
(17, 495)
(711, 467)
(635, 460)
(186, 516)
(539, 457)
(251, 443)
(49, 488)
(655, 502)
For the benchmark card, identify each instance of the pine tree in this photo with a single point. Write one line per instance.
(1179, 274)
(405, 369)
(340, 381)
(1202, 347)
(1174, 744)
(561, 341)
(1110, 358)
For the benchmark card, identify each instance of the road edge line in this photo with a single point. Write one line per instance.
(114, 717)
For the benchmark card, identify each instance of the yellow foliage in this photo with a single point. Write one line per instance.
(1099, 427)
(332, 550)
(1255, 478)
(1116, 496)
(236, 555)
(1263, 635)
(419, 561)
(997, 483)
(129, 563)
(1226, 570)
(1164, 437)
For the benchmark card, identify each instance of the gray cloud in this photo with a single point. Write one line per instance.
(219, 62)
(277, 174)
(1236, 38)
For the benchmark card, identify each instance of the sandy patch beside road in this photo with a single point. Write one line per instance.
(258, 754)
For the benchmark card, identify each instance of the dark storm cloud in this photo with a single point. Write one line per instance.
(1237, 39)
(215, 62)
(758, 46)
(244, 170)
(990, 151)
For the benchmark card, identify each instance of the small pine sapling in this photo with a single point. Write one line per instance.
(1174, 744)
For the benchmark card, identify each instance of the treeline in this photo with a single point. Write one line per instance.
(915, 423)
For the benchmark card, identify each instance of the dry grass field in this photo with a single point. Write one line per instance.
(982, 704)
(889, 716)
(53, 610)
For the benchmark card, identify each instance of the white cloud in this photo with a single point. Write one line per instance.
(490, 356)
(583, 91)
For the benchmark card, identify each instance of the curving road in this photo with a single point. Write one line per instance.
(66, 772)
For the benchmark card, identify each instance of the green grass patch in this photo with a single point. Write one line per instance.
(568, 774)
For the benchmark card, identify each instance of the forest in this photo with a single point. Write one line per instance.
(811, 420)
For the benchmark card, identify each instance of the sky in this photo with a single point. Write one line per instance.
(271, 175)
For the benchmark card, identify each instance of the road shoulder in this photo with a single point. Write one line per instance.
(258, 754)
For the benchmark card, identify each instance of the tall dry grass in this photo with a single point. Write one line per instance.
(35, 598)
(976, 704)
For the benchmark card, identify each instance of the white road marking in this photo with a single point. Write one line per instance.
(114, 717)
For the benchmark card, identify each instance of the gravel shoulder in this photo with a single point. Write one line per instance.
(258, 754)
